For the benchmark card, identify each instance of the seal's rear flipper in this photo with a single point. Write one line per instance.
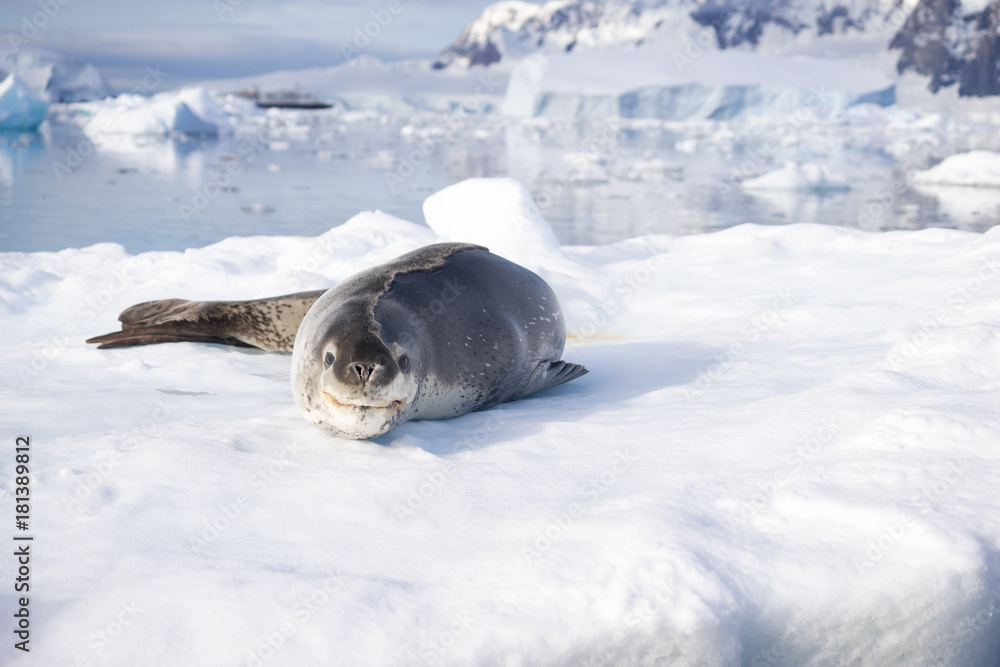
(550, 374)
(269, 324)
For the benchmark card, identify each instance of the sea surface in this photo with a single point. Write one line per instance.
(595, 181)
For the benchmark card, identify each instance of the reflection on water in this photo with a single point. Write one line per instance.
(595, 182)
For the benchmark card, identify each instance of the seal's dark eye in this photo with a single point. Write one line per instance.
(328, 359)
(404, 362)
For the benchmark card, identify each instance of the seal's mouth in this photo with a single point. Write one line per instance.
(391, 405)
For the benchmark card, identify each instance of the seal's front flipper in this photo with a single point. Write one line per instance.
(269, 324)
(552, 373)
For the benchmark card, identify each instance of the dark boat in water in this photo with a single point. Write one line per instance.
(284, 98)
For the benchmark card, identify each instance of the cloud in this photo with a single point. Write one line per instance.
(222, 38)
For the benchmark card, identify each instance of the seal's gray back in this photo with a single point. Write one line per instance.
(485, 327)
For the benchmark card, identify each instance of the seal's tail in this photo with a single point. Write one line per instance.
(269, 324)
(168, 321)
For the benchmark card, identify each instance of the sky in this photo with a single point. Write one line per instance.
(208, 39)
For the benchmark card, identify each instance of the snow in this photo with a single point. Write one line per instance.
(510, 15)
(670, 85)
(974, 6)
(496, 212)
(807, 176)
(21, 108)
(978, 169)
(511, 30)
(784, 453)
(189, 110)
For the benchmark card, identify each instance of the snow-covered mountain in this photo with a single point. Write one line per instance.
(953, 43)
(513, 28)
(949, 40)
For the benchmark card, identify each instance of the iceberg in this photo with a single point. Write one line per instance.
(717, 85)
(54, 76)
(21, 108)
(188, 111)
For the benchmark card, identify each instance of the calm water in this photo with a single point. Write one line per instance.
(595, 183)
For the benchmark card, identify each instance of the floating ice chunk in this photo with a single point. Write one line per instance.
(21, 108)
(188, 111)
(806, 176)
(978, 169)
(257, 208)
(585, 168)
(57, 78)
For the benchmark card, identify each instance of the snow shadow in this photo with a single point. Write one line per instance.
(618, 373)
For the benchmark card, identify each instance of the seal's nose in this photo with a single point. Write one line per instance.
(366, 364)
(363, 371)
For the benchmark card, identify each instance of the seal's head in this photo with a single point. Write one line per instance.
(347, 380)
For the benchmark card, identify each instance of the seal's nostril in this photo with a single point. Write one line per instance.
(363, 371)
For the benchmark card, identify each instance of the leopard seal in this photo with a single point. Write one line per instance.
(446, 329)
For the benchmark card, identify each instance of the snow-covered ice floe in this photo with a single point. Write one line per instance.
(786, 451)
(980, 169)
(187, 111)
(966, 185)
(808, 176)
